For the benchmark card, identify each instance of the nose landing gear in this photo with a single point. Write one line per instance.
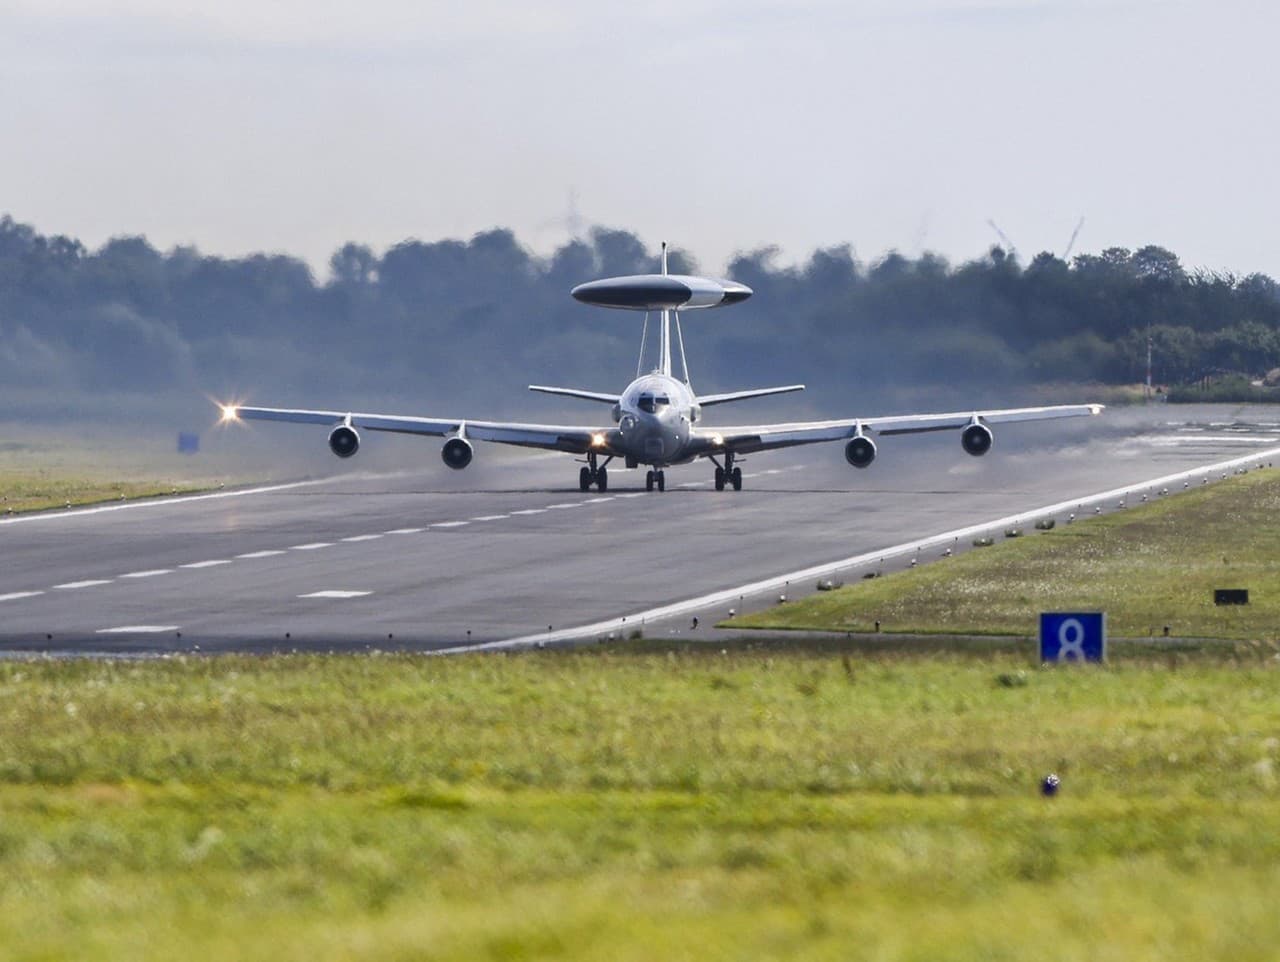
(655, 477)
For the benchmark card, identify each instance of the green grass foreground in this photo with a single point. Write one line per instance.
(1148, 566)
(695, 805)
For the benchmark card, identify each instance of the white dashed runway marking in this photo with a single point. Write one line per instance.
(312, 546)
(490, 517)
(206, 564)
(404, 531)
(332, 593)
(15, 595)
(148, 574)
(85, 584)
(261, 554)
(137, 630)
(450, 524)
(363, 537)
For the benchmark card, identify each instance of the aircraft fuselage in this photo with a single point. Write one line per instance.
(655, 416)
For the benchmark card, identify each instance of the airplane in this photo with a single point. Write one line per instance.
(657, 420)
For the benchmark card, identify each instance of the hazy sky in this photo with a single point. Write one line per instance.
(245, 125)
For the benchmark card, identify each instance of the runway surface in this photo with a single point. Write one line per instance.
(432, 559)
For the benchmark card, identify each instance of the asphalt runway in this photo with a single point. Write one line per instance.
(430, 559)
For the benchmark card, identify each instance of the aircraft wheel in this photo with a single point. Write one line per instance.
(662, 481)
(735, 478)
(602, 479)
(648, 480)
(719, 478)
(584, 479)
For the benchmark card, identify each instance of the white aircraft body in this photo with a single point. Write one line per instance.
(657, 419)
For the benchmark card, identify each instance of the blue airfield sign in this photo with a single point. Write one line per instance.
(1073, 636)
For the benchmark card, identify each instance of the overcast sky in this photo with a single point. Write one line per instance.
(244, 125)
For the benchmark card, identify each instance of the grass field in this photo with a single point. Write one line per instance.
(813, 804)
(37, 474)
(1147, 567)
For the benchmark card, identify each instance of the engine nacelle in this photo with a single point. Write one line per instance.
(977, 439)
(457, 453)
(860, 452)
(343, 441)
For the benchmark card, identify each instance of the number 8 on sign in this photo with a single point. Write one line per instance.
(1071, 640)
(1073, 636)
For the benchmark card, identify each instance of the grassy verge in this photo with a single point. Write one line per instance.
(1147, 567)
(39, 474)
(638, 805)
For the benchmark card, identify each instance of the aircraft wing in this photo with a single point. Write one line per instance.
(555, 437)
(764, 437)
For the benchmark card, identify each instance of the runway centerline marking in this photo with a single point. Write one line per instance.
(15, 595)
(634, 494)
(491, 517)
(334, 593)
(450, 524)
(148, 574)
(270, 552)
(404, 531)
(206, 564)
(556, 507)
(85, 584)
(312, 546)
(137, 630)
(597, 500)
(530, 511)
(363, 537)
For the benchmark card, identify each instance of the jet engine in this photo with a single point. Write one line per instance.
(343, 441)
(456, 453)
(976, 439)
(860, 451)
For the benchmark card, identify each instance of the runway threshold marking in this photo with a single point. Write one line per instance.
(92, 582)
(728, 595)
(334, 593)
(137, 630)
(15, 595)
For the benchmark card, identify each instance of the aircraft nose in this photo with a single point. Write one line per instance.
(735, 293)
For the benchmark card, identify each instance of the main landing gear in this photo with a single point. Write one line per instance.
(591, 474)
(655, 477)
(729, 474)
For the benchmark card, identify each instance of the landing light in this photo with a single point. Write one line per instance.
(717, 440)
(597, 440)
(230, 412)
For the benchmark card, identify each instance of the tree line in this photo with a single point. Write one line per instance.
(461, 320)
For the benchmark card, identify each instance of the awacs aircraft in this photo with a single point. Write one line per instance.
(657, 419)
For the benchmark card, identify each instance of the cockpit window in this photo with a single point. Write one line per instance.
(649, 403)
